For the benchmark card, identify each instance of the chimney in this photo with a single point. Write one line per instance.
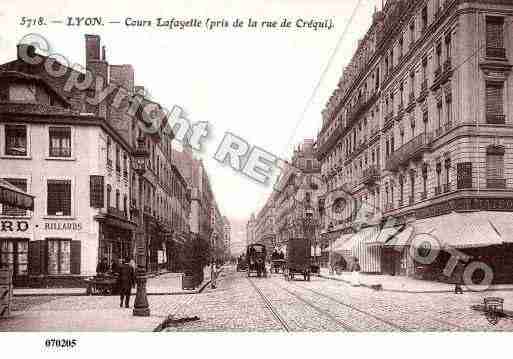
(92, 43)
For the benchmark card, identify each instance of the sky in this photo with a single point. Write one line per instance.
(255, 83)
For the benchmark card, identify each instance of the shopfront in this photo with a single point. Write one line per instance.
(115, 239)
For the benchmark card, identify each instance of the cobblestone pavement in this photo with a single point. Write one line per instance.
(265, 304)
(326, 305)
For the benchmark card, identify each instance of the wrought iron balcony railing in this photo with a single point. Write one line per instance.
(496, 52)
(497, 183)
(370, 175)
(411, 150)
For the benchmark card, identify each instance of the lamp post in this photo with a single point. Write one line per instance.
(141, 306)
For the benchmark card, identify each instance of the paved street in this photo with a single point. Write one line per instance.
(242, 304)
(264, 304)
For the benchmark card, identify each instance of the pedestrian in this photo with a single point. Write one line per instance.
(126, 281)
(355, 276)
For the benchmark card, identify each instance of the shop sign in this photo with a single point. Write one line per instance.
(62, 226)
(13, 226)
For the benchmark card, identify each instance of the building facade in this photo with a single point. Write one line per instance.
(419, 130)
(75, 155)
(60, 155)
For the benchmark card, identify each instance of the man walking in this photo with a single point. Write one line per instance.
(126, 281)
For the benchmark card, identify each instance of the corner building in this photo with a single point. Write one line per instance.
(420, 130)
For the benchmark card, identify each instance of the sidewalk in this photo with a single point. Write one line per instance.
(157, 284)
(102, 313)
(404, 284)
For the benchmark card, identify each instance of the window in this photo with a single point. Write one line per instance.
(125, 165)
(412, 32)
(109, 159)
(424, 18)
(16, 140)
(7, 210)
(448, 109)
(125, 206)
(464, 175)
(118, 159)
(59, 256)
(59, 198)
(22, 93)
(117, 199)
(60, 141)
(438, 178)
(495, 37)
(308, 164)
(495, 167)
(109, 191)
(494, 103)
(14, 254)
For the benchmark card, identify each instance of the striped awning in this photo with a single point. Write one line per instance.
(341, 243)
(15, 197)
(381, 236)
(401, 236)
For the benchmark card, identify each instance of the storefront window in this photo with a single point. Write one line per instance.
(14, 254)
(59, 251)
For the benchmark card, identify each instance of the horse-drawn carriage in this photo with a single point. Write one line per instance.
(255, 259)
(298, 259)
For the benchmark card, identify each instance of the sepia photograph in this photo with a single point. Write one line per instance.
(248, 168)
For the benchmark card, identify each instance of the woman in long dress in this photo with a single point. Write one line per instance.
(355, 276)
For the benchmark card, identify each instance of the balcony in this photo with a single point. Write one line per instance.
(388, 207)
(411, 102)
(412, 150)
(370, 175)
(410, 201)
(360, 108)
(495, 119)
(423, 195)
(438, 190)
(116, 212)
(496, 52)
(389, 117)
(423, 91)
(400, 112)
(447, 187)
(447, 68)
(496, 183)
(448, 126)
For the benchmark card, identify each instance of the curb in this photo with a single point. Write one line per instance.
(417, 291)
(196, 291)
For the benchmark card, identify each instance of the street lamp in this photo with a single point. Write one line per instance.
(141, 306)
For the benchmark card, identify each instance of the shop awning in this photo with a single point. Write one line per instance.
(15, 197)
(341, 242)
(354, 239)
(383, 236)
(400, 237)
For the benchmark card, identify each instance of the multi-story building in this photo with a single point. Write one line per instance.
(250, 230)
(227, 236)
(75, 155)
(264, 225)
(295, 197)
(419, 129)
(52, 149)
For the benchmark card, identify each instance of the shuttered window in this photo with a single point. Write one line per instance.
(494, 102)
(494, 32)
(494, 166)
(464, 175)
(59, 198)
(59, 256)
(60, 141)
(7, 210)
